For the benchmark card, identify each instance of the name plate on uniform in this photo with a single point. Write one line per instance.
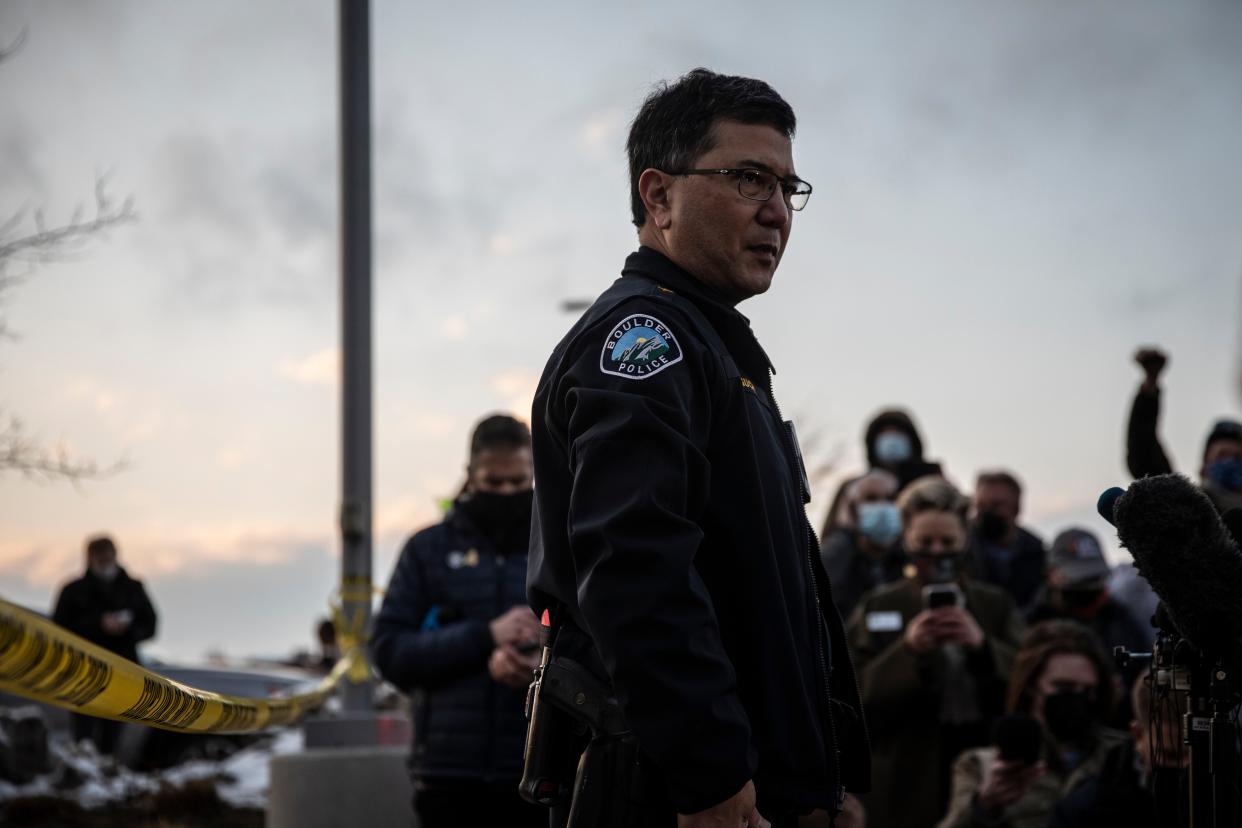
(882, 622)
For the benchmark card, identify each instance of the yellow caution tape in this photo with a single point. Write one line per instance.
(44, 662)
(350, 632)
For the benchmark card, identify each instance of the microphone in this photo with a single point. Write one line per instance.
(1187, 554)
(1107, 504)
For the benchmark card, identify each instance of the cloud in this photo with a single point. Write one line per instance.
(501, 244)
(454, 328)
(157, 550)
(230, 457)
(600, 137)
(96, 395)
(322, 368)
(517, 387)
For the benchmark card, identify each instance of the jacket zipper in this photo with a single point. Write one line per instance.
(821, 629)
(498, 570)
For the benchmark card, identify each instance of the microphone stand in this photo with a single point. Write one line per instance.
(1207, 725)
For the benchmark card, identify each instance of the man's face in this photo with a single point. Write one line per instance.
(507, 471)
(873, 489)
(998, 498)
(100, 559)
(1222, 450)
(731, 243)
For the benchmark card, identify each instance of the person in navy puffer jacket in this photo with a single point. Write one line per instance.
(456, 634)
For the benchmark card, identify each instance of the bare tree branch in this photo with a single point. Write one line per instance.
(46, 244)
(21, 454)
(12, 49)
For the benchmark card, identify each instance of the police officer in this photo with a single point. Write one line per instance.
(455, 632)
(671, 545)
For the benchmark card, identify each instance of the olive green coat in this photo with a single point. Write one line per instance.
(901, 692)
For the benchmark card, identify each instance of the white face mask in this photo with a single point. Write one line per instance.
(893, 447)
(107, 572)
(879, 522)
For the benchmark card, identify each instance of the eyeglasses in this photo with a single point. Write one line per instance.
(758, 185)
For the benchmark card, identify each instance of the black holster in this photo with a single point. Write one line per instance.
(578, 748)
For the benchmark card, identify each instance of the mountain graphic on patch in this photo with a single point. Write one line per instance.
(647, 346)
(638, 347)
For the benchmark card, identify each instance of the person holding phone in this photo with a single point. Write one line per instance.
(1063, 680)
(933, 652)
(454, 631)
(109, 608)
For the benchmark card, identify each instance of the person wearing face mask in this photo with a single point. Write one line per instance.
(1220, 472)
(866, 554)
(892, 444)
(1063, 679)
(1002, 552)
(1143, 783)
(109, 608)
(1077, 590)
(454, 631)
(934, 651)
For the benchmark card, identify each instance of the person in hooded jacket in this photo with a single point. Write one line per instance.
(454, 631)
(109, 608)
(892, 444)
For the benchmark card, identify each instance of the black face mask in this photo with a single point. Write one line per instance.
(1083, 603)
(503, 518)
(939, 569)
(992, 527)
(1068, 717)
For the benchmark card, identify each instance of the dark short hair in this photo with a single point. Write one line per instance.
(1058, 637)
(100, 543)
(1230, 430)
(674, 126)
(999, 477)
(499, 432)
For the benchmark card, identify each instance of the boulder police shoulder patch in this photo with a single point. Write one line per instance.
(638, 347)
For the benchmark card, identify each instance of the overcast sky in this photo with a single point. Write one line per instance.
(1009, 197)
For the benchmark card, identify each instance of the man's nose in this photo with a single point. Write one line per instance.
(774, 212)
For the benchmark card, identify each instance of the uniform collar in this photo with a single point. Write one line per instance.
(649, 263)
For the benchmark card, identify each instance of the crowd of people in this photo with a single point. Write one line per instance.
(958, 616)
(934, 663)
(959, 620)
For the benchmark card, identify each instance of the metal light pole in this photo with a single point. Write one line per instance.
(356, 523)
(352, 770)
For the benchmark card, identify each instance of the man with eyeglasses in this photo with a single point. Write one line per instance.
(670, 544)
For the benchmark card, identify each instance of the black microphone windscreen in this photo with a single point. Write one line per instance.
(1233, 522)
(1185, 552)
(1107, 504)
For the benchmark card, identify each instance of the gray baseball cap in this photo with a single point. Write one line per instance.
(1077, 560)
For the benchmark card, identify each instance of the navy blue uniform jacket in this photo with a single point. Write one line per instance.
(431, 639)
(670, 536)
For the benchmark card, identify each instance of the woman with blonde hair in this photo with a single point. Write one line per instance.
(933, 652)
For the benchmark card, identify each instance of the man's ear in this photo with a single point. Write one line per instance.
(653, 189)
